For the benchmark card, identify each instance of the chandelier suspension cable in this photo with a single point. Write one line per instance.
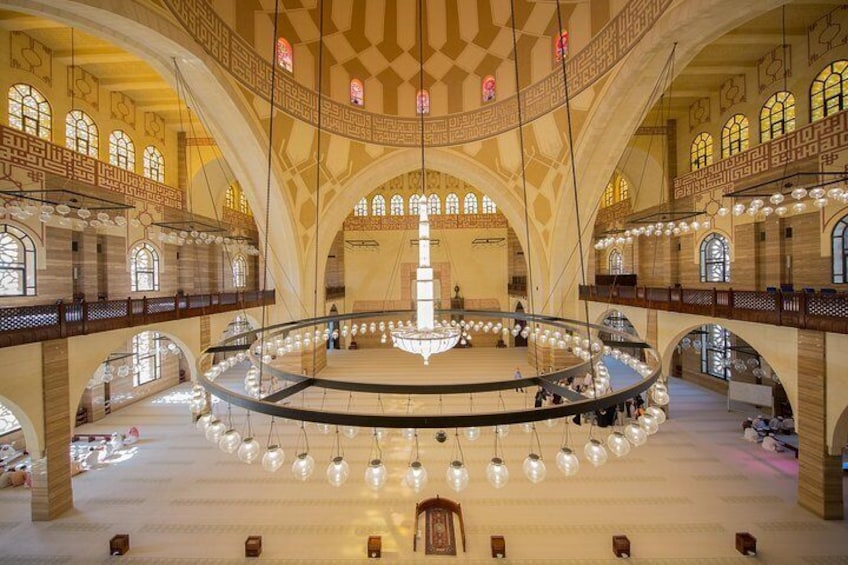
(528, 254)
(316, 342)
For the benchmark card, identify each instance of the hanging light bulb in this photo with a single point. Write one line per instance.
(303, 466)
(497, 472)
(350, 432)
(635, 434)
(595, 452)
(657, 413)
(215, 430)
(409, 433)
(472, 433)
(618, 444)
(502, 430)
(248, 451)
(375, 474)
(534, 468)
(648, 423)
(338, 471)
(230, 441)
(659, 392)
(203, 422)
(457, 476)
(776, 198)
(567, 461)
(273, 458)
(416, 476)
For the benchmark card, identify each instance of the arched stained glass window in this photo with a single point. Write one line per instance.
(144, 268)
(147, 365)
(396, 205)
(17, 262)
(488, 88)
(616, 262)
(361, 208)
(422, 102)
(357, 92)
(81, 133)
(701, 152)
(489, 205)
(840, 251)
(434, 204)
(239, 272)
(777, 116)
(413, 205)
(561, 46)
(153, 164)
(715, 259)
(243, 206)
(378, 205)
(230, 198)
(734, 135)
(285, 58)
(617, 190)
(828, 91)
(29, 111)
(469, 205)
(452, 204)
(121, 150)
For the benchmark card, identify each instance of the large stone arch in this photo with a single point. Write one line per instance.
(33, 442)
(448, 161)
(617, 112)
(599, 320)
(140, 30)
(638, 316)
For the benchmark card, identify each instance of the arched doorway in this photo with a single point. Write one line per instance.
(333, 342)
(519, 340)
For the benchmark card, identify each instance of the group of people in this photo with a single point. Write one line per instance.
(764, 431)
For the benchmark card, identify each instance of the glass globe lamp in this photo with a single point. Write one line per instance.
(567, 462)
(502, 430)
(215, 430)
(660, 396)
(472, 433)
(350, 432)
(526, 427)
(534, 468)
(635, 434)
(303, 466)
(203, 422)
(248, 451)
(497, 472)
(229, 441)
(595, 452)
(338, 471)
(323, 428)
(618, 444)
(408, 434)
(648, 423)
(375, 474)
(416, 476)
(457, 476)
(273, 458)
(657, 413)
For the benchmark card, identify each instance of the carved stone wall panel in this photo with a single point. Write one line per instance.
(828, 32)
(732, 92)
(772, 66)
(82, 85)
(122, 107)
(253, 71)
(154, 126)
(30, 55)
(43, 157)
(699, 113)
(808, 142)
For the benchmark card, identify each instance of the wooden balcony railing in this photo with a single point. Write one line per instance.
(803, 310)
(29, 324)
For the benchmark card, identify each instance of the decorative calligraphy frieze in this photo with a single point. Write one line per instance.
(122, 107)
(40, 156)
(772, 66)
(437, 222)
(610, 216)
(732, 92)
(251, 69)
(827, 32)
(30, 55)
(808, 142)
(699, 113)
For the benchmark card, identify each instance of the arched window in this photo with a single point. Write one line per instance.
(470, 203)
(422, 102)
(452, 204)
(29, 111)
(239, 272)
(561, 46)
(489, 205)
(153, 164)
(8, 422)
(17, 262)
(378, 205)
(357, 92)
(734, 135)
(396, 204)
(413, 205)
(243, 207)
(488, 87)
(701, 152)
(81, 133)
(616, 262)
(715, 351)
(828, 91)
(121, 150)
(147, 366)
(144, 268)
(284, 55)
(777, 116)
(616, 191)
(361, 208)
(230, 198)
(840, 251)
(715, 259)
(434, 204)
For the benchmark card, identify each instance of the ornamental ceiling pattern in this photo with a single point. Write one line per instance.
(384, 53)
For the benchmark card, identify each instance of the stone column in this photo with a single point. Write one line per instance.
(819, 473)
(51, 475)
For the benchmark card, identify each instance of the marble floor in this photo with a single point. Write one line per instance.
(679, 498)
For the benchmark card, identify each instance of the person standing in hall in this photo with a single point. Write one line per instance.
(517, 376)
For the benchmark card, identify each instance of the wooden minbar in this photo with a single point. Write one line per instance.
(119, 544)
(375, 547)
(498, 547)
(746, 544)
(253, 546)
(621, 546)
